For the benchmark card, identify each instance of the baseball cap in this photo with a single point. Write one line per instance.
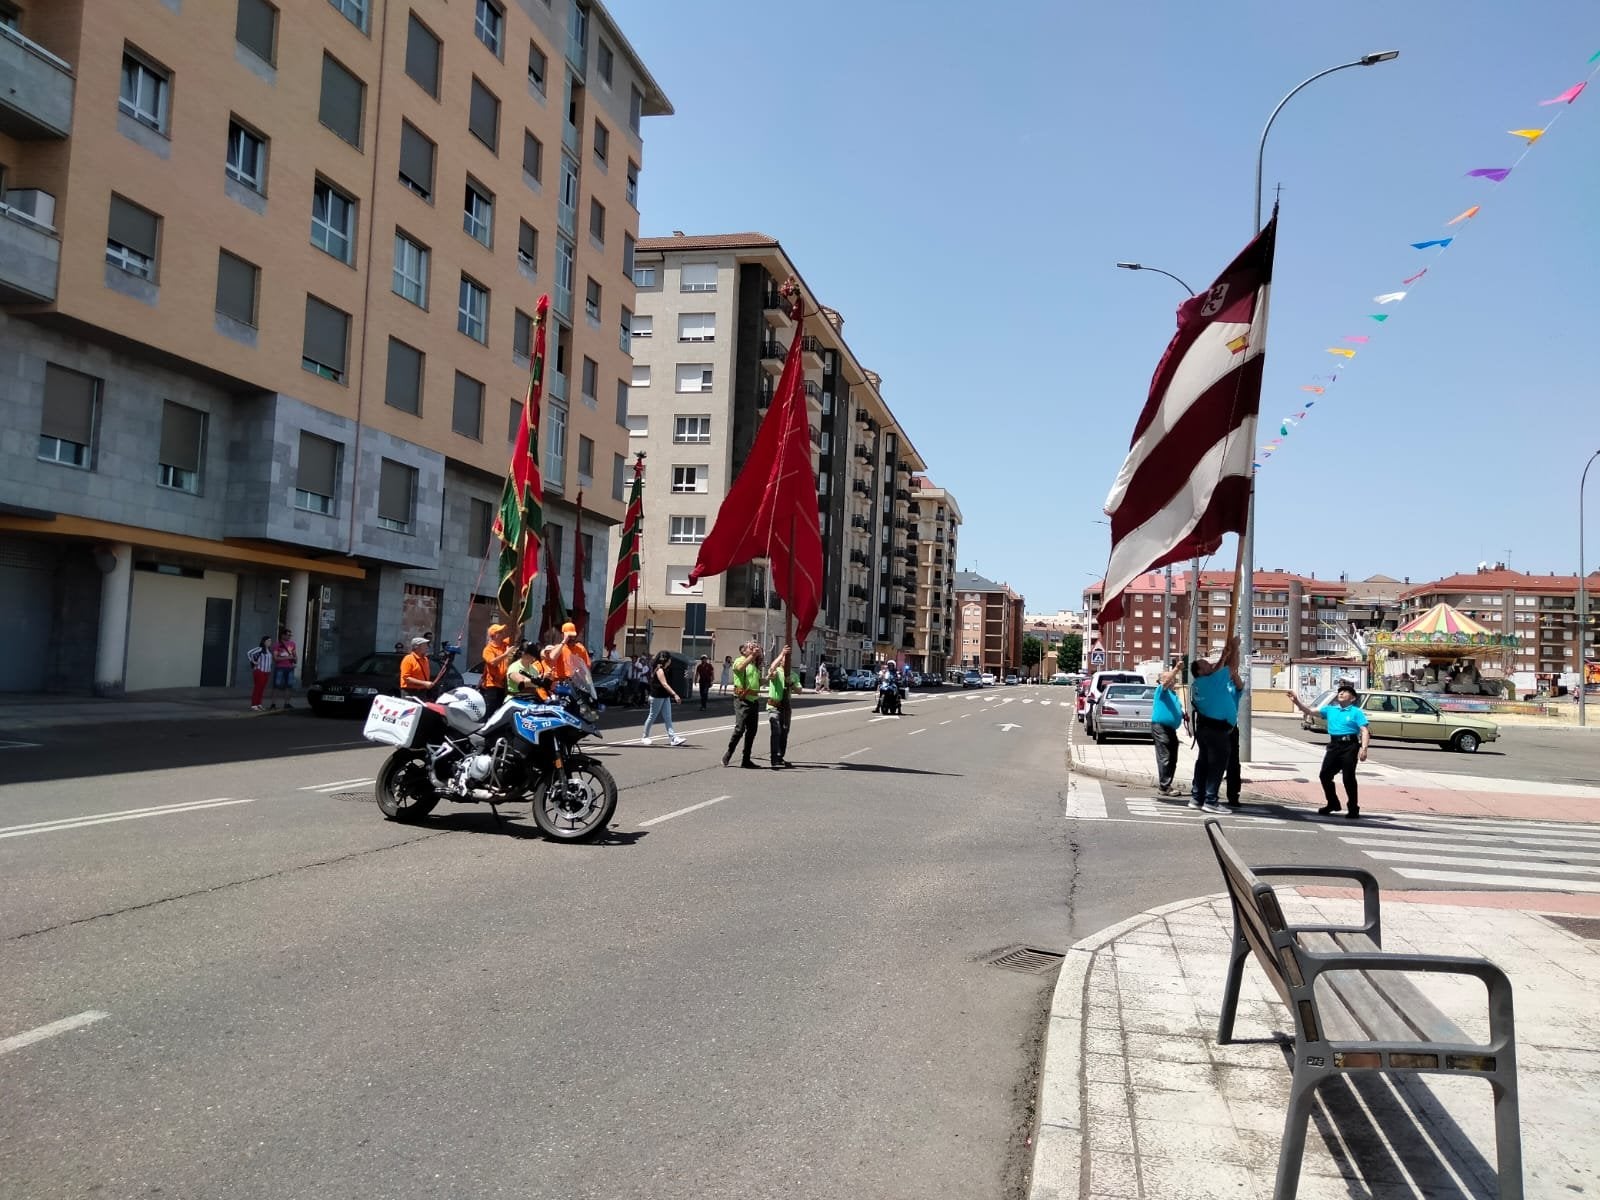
(569, 627)
(494, 629)
(419, 641)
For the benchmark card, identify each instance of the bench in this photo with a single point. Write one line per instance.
(1354, 1011)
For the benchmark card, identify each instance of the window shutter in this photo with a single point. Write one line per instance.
(68, 405)
(133, 227)
(416, 157)
(527, 242)
(255, 27)
(422, 57)
(522, 334)
(532, 155)
(236, 288)
(180, 435)
(394, 491)
(319, 463)
(403, 387)
(467, 417)
(326, 327)
(340, 109)
(484, 119)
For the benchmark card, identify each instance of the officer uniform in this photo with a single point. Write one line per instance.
(1216, 702)
(1344, 748)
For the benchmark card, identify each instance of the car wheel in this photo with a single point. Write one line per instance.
(1099, 737)
(1465, 741)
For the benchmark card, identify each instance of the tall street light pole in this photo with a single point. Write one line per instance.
(1194, 566)
(1247, 590)
(1583, 602)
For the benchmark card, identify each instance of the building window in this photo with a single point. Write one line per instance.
(697, 327)
(641, 375)
(625, 332)
(316, 477)
(686, 530)
(146, 91)
(690, 479)
(538, 67)
(564, 275)
(587, 380)
(402, 387)
(532, 157)
(236, 288)
(472, 317)
(604, 59)
(591, 301)
(131, 238)
(71, 400)
(489, 24)
(422, 56)
(691, 430)
(416, 161)
(644, 325)
(619, 474)
(694, 377)
(697, 277)
(256, 29)
(410, 270)
(622, 402)
(354, 11)
(333, 221)
(638, 424)
(483, 116)
(514, 425)
(585, 458)
(555, 423)
(466, 414)
(528, 246)
(327, 334)
(183, 431)
(635, 108)
(247, 157)
(397, 496)
(477, 213)
(342, 98)
(602, 142)
(631, 190)
(480, 525)
(597, 220)
(522, 335)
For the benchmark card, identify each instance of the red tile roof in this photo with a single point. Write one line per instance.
(1499, 580)
(708, 241)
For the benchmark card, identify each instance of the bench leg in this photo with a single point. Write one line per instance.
(1292, 1149)
(1507, 1141)
(1230, 993)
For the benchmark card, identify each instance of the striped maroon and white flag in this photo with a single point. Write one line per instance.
(1186, 480)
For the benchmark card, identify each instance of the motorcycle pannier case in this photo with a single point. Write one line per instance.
(395, 721)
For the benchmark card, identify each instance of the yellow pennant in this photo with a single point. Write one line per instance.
(1533, 135)
(1340, 350)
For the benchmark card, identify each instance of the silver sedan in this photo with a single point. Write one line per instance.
(1124, 711)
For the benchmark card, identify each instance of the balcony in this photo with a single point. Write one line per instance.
(865, 455)
(859, 523)
(577, 52)
(914, 509)
(776, 308)
(811, 348)
(907, 554)
(908, 641)
(901, 523)
(903, 467)
(558, 386)
(30, 257)
(902, 494)
(855, 627)
(911, 533)
(567, 218)
(772, 354)
(814, 393)
(857, 592)
(858, 559)
(562, 302)
(36, 102)
(862, 417)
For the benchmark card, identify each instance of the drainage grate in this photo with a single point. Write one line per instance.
(1584, 927)
(369, 797)
(1028, 959)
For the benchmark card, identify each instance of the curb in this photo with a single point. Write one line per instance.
(1058, 1148)
(1144, 780)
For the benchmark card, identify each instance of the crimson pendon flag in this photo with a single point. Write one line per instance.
(1186, 480)
(519, 525)
(771, 510)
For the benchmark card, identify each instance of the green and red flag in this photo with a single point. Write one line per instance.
(520, 522)
(580, 603)
(554, 615)
(626, 580)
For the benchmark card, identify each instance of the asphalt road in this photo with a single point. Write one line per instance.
(785, 992)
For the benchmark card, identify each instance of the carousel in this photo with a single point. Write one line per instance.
(1453, 648)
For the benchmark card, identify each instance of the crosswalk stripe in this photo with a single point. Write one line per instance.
(1496, 864)
(1498, 838)
(327, 788)
(1086, 800)
(1580, 829)
(317, 787)
(1044, 703)
(1525, 882)
(1455, 847)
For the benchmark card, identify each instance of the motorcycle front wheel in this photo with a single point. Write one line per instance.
(405, 788)
(576, 805)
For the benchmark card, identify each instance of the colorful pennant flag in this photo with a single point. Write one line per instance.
(519, 525)
(625, 580)
(1566, 97)
(1533, 135)
(1379, 316)
(1439, 242)
(1410, 279)
(1343, 351)
(1389, 298)
(1310, 387)
(1354, 337)
(1497, 174)
(1466, 216)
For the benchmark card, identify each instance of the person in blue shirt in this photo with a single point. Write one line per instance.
(1215, 691)
(1348, 736)
(1166, 716)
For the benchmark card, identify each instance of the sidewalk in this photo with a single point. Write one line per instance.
(22, 711)
(1284, 771)
(1139, 1100)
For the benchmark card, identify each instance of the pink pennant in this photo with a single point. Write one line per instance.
(1311, 387)
(1300, 416)
(1417, 276)
(1566, 97)
(1351, 337)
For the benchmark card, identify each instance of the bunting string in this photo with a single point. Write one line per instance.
(1351, 344)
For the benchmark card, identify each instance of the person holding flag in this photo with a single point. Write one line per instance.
(781, 683)
(567, 652)
(746, 703)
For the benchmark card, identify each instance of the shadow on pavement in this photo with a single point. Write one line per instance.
(879, 768)
(516, 823)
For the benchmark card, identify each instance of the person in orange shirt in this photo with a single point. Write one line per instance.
(564, 653)
(416, 671)
(497, 655)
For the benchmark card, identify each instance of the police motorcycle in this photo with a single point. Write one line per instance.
(528, 750)
(889, 695)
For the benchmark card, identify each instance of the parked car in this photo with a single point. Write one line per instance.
(349, 691)
(612, 679)
(971, 680)
(860, 679)
(1013, 679)
(1096, 687)
(1124, 710)
(987, 679)
(1061, 678)
(1404, 717)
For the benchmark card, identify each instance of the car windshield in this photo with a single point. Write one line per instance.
(606, 668)
(375, 664)
(973, 675)
(1130, 691)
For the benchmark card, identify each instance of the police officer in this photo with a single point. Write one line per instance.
(746, 703)
(1348, 736)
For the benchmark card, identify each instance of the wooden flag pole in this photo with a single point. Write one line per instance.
(638, 549)
(788, 606)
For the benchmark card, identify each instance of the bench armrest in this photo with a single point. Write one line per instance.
(1370, 920)
(1502, 1021)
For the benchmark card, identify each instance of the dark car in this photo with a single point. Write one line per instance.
(350, 692)
(612, 681)
(972, 679)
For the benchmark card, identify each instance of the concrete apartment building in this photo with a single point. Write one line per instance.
(267, 273)
(989, 625)
(935, 522)
(710, 333)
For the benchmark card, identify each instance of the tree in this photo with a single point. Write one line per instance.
(1032, 651)
(1069, 654)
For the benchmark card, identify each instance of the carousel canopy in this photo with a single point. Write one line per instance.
(1440, 629)
(1441, 618)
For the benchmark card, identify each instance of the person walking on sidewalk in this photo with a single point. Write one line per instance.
(726, 681)
(1348, 735)
(780, 689)
(661, 699)
(746, 703)
(285, 655)
(1216, 704)
(1166, 716)
(704, 673)
(260, 672)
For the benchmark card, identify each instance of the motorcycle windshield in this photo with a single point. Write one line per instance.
(582, 682)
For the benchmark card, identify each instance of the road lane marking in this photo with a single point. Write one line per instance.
(914, 732)
(944, 722)
(964, 716)
(331, 745)
(1086, 800)
(1493, 864)
(682, 811)
(875, 720)
(65, 1025)
(1577, 840)
(328, 788)
(132, 814)
(853, 753)
(317, 787)
(1044, 703)
(1522, 882)
(19, 745)
(1457, 848)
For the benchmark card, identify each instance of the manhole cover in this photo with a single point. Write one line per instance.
(1584, 927)
(369, 797)
(1028, 959)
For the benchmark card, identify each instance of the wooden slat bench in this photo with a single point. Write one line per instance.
(1354, 1012)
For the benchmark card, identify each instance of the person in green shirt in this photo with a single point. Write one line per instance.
(746, 703)
(781, 682)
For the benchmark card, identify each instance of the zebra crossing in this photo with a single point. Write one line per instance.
(1526, 855)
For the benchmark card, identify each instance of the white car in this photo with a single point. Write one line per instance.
(989, 679)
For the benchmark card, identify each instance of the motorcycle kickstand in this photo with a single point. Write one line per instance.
(498, 819)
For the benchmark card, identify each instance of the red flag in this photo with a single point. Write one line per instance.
(771, 509)
(554, 615)
(1186, 480)
(520, 522)
(625, 582)
(580, 606)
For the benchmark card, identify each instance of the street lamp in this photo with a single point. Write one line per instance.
(1247, 589)
(1583, 601)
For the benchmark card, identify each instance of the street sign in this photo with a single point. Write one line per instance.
(1097, 657)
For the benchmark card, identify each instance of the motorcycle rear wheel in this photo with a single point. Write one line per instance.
(576, 807)
(404, 788)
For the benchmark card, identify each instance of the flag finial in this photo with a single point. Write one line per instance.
(790, 291)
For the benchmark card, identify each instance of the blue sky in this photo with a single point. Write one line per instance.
(959, 180)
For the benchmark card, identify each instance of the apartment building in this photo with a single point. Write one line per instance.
(989, 624)
(267, 277)
(710, 335)
(935, 522)
(1541, 610)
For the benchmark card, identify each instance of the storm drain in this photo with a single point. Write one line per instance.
(1584, 927)
(369, 797)
(1027, 959)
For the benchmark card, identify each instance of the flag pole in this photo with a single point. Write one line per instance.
(788, 608)
(638, 546)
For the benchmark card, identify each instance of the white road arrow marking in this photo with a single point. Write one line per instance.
(1008, 727)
